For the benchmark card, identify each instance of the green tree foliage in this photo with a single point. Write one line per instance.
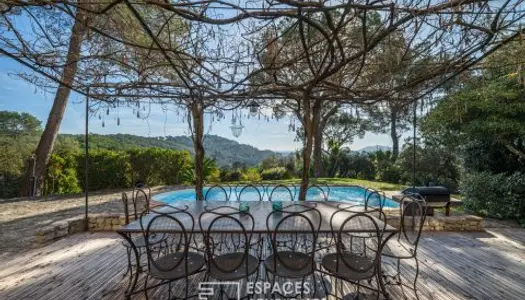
(210, 172)
(385, 169)
(492, 111)
(251, 175)
(434, 165)
(496, 195)
(225, 152)
(157, 166)
(276, 173)
(15, 124)
(107, 170)
(481, 122)
(18, 138)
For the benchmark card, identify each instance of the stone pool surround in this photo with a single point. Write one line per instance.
(110, 222)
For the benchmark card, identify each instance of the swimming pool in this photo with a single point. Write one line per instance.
(352, 194)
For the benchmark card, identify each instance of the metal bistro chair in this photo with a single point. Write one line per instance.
(246, 189)
(374, 200)
(176, 261)
(354, 262)
(215, 191)
(413, 214)
(229, 257)
(272, 197)
(288, 195)
(138, 241)
(296, 259)
(322, 193)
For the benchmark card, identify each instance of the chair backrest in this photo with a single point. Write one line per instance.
(247, 188)
(125, 202)
(413, 216)
(316, 189)
(217, 193)
(137, 208)
(368, 192)
(267, 189)
(326, 189)
(294, 216)
(283, 193)
(138, 196)
(175, 225)
(360, 226)
(215, 240)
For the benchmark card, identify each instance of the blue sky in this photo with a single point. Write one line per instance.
(18, 95)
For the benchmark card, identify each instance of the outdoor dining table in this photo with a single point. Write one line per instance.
(260, 211)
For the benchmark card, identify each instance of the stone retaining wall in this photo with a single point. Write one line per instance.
(96, 222)
(111, 222)
(442, 223)
(59, 229)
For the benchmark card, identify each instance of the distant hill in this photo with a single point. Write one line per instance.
(225, 151)
(370, 149)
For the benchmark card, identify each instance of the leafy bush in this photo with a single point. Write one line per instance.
(235, 175)
(390, 173)
(214, 176)
(251, 175)
(209, 171)
(277, 173)
(107, 170)
(495, 195)
(433, 164)
(156, 166)
(61, 177)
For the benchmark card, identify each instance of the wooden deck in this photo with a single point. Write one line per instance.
(488, 265)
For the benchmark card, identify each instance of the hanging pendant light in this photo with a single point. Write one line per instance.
(254, 108)
(236, 128)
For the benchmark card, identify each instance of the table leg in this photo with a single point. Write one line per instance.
(380, 275)
(134, 276)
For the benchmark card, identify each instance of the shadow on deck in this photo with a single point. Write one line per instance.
(453, 266)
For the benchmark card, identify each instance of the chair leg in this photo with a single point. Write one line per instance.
(146, 287)
(415, 278)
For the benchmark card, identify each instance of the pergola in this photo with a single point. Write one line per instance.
(300, 56)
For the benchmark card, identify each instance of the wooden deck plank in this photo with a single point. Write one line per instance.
(453, 266)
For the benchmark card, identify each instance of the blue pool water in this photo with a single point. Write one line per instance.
(351, 194)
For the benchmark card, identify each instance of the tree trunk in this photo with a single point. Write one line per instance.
(394, 135)
(198, 134)
(318, 144)
(310, 123)
(49, 135)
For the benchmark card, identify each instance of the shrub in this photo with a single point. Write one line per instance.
(107, 169)
(214, 176)
(251, 175)
(495, 195)
(276, 173)
(231, 175)
(61, 177)
(391, 174)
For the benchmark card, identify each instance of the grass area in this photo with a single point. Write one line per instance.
(382, 186)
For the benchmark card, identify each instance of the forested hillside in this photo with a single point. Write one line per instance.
(224, 151)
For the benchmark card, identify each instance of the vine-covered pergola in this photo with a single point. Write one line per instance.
(305, 57)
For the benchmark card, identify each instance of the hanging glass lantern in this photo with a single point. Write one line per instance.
(254, 108)
(278, 113)
(236, 129)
